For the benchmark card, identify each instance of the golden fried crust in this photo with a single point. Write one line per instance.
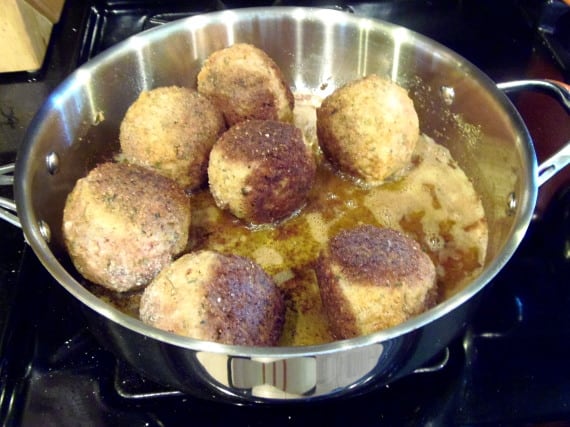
(214, 297)
(123, 223)
(261, 170)
(343, 322)
(373, 278)
(378, 257)
(245, 83)
(368, 129)
(171, 130)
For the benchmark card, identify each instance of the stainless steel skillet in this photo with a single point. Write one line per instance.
(317, 50)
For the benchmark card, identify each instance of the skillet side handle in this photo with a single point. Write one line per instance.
(8, 206)
(560, 91)
(554, 164)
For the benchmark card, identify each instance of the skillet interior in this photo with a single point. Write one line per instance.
(317, 50)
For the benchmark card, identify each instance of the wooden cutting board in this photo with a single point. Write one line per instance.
(25, 30)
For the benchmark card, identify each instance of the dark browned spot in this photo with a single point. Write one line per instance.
(284, 169)
(341, 318)
(368, 253)
(243, 305)
(258, 139)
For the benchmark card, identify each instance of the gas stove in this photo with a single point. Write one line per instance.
(510, 367)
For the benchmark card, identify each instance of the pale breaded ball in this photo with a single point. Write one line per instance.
(245, 83)
(123, 223)
(373, 278)
(214, 297)
(171, 130)
(368, 129)
(261, 171)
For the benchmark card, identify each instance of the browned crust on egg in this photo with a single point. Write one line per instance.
(342, 320)
(243, 306)
(245, 83)
(215, 297)
(123, 223)
(263, 139)
(171, 130)
(384, 260)
(368, 129)
(282, 168)
(368, 253)
(126, 188)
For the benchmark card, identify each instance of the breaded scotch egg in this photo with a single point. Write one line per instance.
(245, 83)
(171, 130)
(261, 171)
(373, 278)
(214, 297)
(123, 223)
(368, 129)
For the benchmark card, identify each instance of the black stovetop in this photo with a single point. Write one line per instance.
(511, 366)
